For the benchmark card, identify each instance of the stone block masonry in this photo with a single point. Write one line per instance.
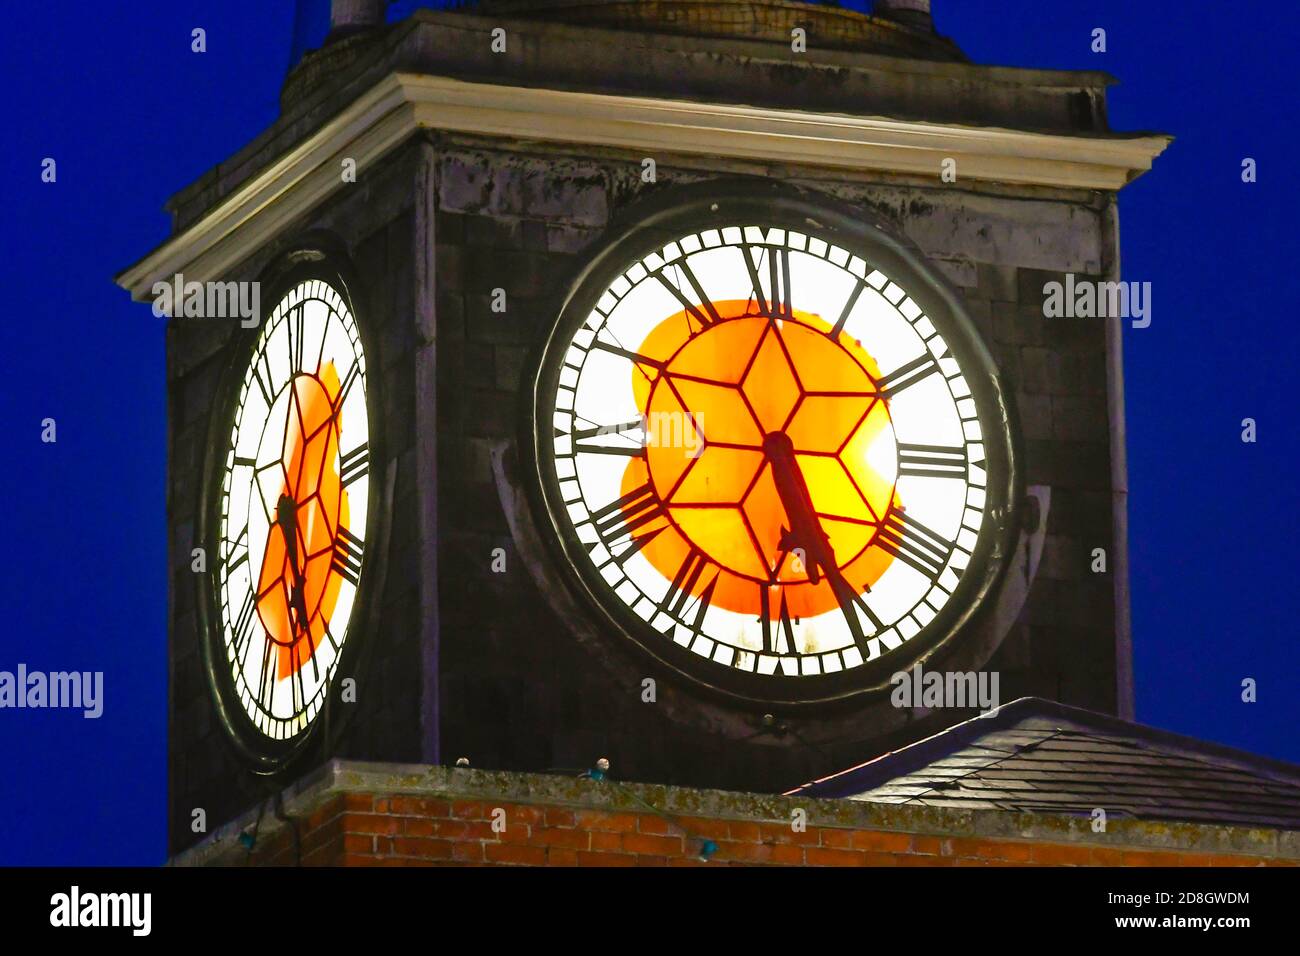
(518, 689)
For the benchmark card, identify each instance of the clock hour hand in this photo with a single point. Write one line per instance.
(805, 531)
(286, 516)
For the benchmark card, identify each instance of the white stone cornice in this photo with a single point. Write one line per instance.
(402, 103)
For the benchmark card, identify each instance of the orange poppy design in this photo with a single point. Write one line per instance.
(298, 586)
(765, 437)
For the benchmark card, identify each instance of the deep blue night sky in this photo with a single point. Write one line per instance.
(131, 116)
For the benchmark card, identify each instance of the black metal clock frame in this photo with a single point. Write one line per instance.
(703, 206)
(263, 755)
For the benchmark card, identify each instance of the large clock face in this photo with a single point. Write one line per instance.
(764, 459)
(293, 513)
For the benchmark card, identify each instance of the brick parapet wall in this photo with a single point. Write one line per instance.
(356, 814)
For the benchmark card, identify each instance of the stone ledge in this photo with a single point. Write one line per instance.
(397, 107)
(563, 55)
(344, 777)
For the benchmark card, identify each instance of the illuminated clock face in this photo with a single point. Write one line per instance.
(294, 500)
(764, 459)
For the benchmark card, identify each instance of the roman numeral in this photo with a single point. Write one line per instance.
(704, 313)
(621, 517)
(778, 273)
(297, 665)
(242, 625)
(631, 356)
(315, 664)
(330, 635)
(354, 372)
(637, 544)
(355, 464)
(851, 602)
(294, 329)
(581, 445)
(706, 599)
(931, 461)
(266, 686)
(625, 451)
(783, 619)
(348, 550)
(777, 303)
(238, 546)
(683, 583)
(759, 299)
(262, 376)
(298, 693)
(908, 375)
(848, 307)
(914, 544)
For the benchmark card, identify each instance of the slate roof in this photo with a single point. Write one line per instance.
(1034, 755)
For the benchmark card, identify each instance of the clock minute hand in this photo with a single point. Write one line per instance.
(806, 529)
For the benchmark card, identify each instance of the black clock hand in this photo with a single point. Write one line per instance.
(286, 516)
(806, 531)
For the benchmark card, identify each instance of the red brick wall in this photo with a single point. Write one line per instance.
(379, 830)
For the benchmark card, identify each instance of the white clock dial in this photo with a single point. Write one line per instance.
(294, 500)
(764, 452)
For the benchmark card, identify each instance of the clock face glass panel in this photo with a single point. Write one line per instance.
(294, 502)
(762, 451)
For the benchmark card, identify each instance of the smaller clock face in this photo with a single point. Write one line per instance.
(765, 461)
(294, 500)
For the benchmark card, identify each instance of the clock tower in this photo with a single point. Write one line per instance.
(653, 381)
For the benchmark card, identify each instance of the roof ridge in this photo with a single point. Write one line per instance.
(991, 764)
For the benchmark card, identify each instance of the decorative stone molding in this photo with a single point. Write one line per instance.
(403, 103)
